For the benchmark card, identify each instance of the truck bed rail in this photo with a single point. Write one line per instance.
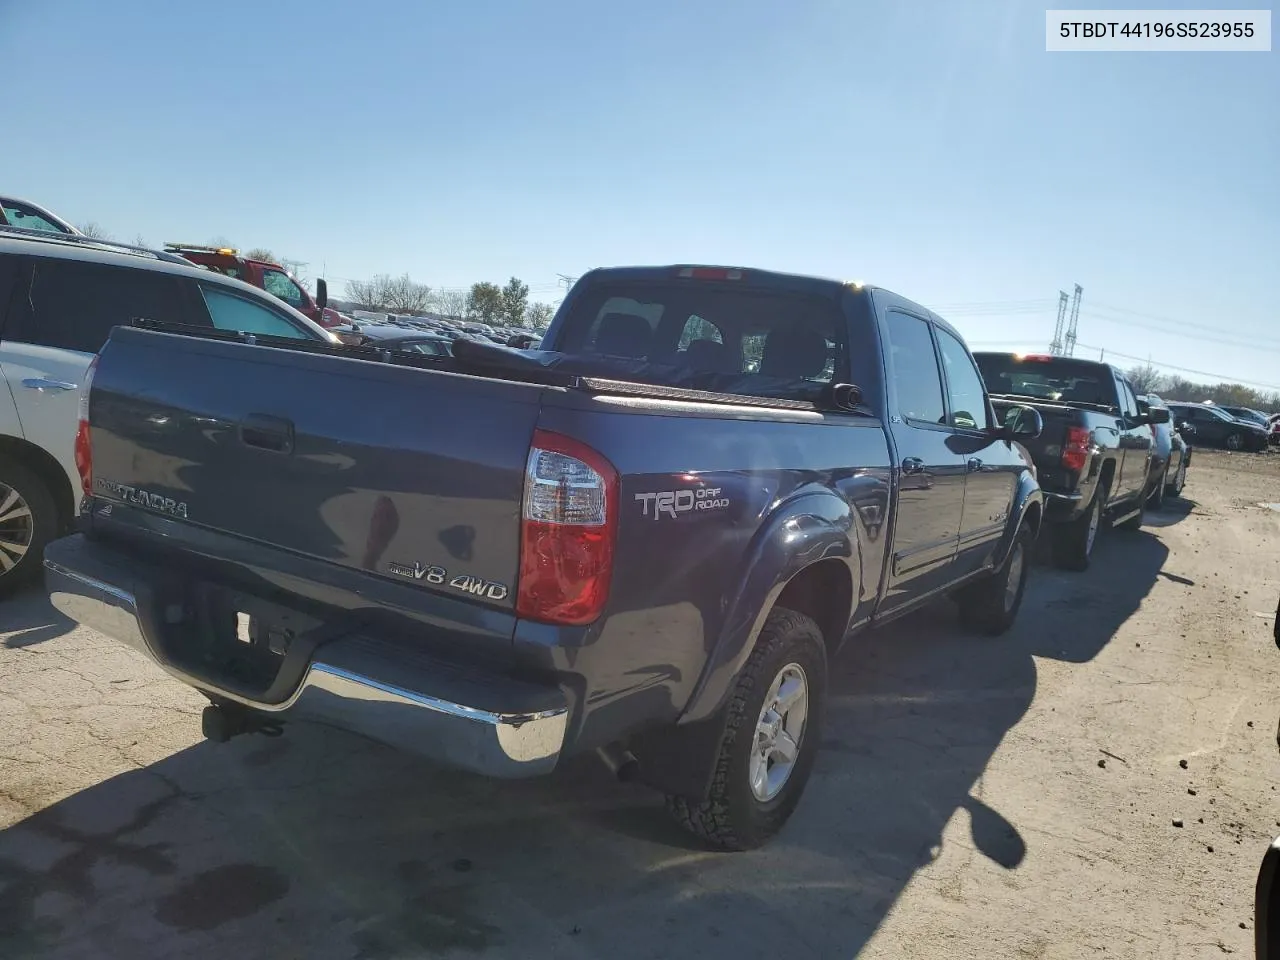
(481, 360)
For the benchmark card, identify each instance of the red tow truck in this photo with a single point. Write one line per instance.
(268, 276)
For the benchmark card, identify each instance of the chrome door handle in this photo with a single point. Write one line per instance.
(912, 465)
(974, 464)
(44, 383)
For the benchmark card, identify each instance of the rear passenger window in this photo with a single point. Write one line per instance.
(73, 305)
(232, 312)
(964, 385)
(916, 381)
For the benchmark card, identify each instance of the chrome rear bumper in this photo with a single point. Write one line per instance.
(358, 685)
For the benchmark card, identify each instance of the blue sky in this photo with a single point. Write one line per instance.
(932, 147)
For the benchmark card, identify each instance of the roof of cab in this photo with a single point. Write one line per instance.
(795, 282)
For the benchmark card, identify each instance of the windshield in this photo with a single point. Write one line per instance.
(1250, 416)
(711, 336)
(28, 217)
(1058, 379)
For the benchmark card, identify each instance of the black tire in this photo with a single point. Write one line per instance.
(1179, 479)
(23, 498)
(1155, 499)
(1072, 542)
(1135, 522)
(732, 817)
(991, 605)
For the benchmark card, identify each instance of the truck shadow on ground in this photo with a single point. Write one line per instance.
(32, 619)
(1174, 510)
(322, 845)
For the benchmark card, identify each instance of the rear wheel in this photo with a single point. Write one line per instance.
(1235, 441)
(991, 605)
(1135, 521)
(28, 520)
(1179, 479)
(1073, 542)
(770, 738)
(1155, 499)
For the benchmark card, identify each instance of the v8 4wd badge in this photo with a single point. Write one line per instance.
(439, 576)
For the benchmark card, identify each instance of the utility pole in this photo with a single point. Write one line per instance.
(1075, 319)
(567, 282)
(1055, 347)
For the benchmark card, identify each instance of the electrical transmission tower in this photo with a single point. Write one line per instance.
(1055, 347)
(1075, 319)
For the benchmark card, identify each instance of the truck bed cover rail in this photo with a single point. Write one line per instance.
(481, 359)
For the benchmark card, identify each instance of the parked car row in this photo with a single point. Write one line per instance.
(1103, 455)
(443, 327)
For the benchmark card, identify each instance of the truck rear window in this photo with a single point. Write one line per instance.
(1057, 379)
(711, 336)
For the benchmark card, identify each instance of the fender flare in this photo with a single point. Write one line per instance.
(1026, 496)
(810, 527)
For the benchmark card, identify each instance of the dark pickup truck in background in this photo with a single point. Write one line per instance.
(1093, 455)
(645, 540)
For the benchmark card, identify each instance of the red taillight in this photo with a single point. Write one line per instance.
(1075, 452)
(83, 450)
(569, 524)
(709, 273)
(1037, 357)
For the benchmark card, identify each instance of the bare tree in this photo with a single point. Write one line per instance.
(261, 253)
(95, 230)
(1146, 379)
(403, 295)
(393, 294)
(451, 303)
(364, 294)
(539, 315)
(220, 241)
(140, 241)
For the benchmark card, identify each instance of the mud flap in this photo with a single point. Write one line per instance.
(679, 759)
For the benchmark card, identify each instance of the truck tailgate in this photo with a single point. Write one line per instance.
(1046, 449)
(408, 473)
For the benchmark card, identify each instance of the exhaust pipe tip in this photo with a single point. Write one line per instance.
(621, 761)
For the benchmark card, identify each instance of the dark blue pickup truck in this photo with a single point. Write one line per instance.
(645, 539)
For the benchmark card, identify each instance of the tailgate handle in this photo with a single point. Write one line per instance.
(267, 433)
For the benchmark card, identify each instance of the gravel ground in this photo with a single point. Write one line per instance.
(1101, 782)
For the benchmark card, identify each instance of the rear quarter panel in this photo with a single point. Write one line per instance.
(777, 489)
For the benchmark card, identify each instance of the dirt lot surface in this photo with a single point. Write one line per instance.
(1101, 782)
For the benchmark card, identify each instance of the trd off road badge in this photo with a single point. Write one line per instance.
(672, 503)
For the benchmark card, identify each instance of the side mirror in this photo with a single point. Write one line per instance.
(322, 294)
(1159, 415)
(846, 396)
(1021, 423)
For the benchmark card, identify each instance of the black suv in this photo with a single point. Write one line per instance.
(1216, 428)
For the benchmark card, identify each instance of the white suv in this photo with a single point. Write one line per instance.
(60, 295)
